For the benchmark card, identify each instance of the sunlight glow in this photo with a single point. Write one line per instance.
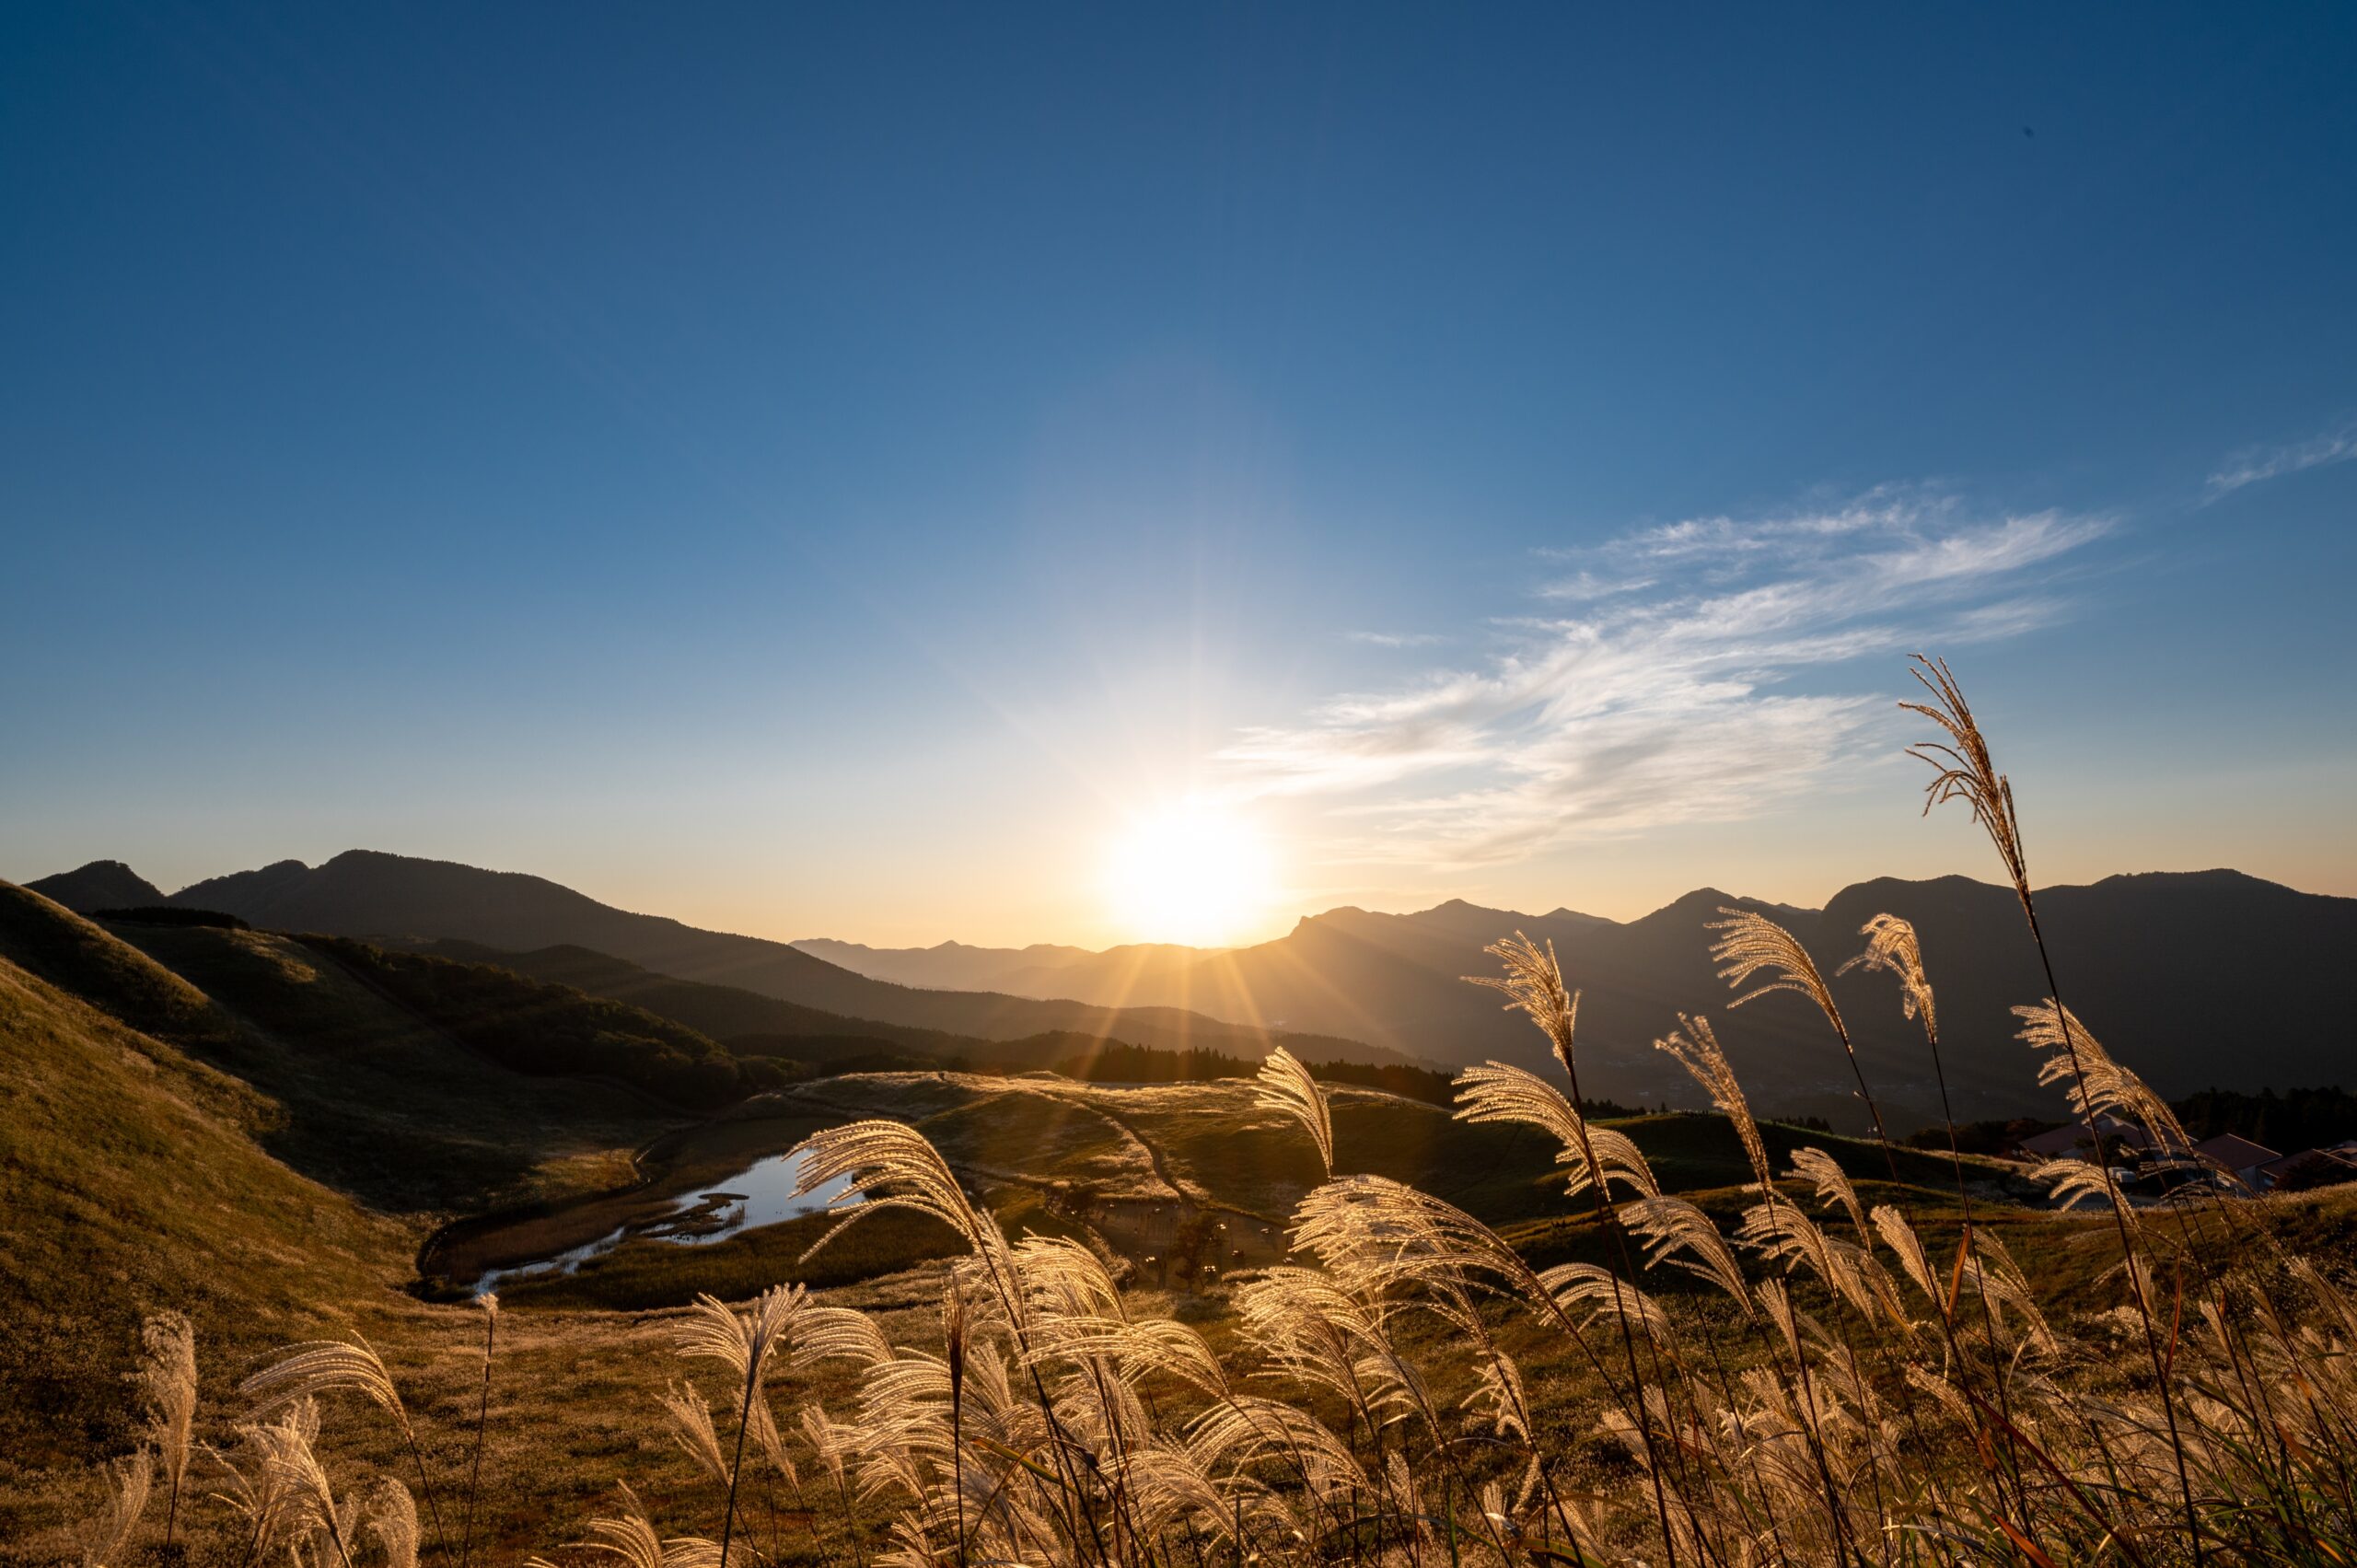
(1190, 872)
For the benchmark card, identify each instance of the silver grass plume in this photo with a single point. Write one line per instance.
(1962, 769)
(303, 1372)
(838, 1333)
(634, 1539)
(889, 1165)
(2095, 1084)
(261, 1489)
(1533, 984)
(323, 1366)
(1496, 1092)
(312, 1509)
(1891, 945)
(106, 1532)
(1284, 1086)
(2072, 1181)
(1900, 1238)
(1821, 1172)
(1682, 1235)
(1754, 943)
(689, 1418)
(167, 1379)
(1696, 1048)
(392, 1516)
(743, 1341)
(488, 1302)
(771, 1442)
(1601, 1290)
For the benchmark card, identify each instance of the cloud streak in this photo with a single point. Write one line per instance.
(2254, 464)
(1652, 697)
(1396, 639)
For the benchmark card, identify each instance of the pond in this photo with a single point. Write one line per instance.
(762, 1194)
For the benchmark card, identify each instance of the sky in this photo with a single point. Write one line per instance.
(861, 471)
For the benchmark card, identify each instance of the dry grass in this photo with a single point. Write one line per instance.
(1801, 1366)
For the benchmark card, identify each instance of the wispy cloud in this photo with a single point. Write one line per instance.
(1656, 704)
(2252, 464)
(1397, 639)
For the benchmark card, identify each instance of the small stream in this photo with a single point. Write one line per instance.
(762, 1194)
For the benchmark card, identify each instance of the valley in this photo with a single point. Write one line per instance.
(294, 1135)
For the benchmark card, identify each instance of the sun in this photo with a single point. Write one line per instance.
(1189, 872)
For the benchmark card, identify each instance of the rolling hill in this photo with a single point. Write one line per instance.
(361, 893)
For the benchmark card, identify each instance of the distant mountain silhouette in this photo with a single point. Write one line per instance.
(2193, 979)
(102, 884)
(365, 893)
(1042, 970)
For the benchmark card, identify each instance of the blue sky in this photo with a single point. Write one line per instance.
(829, 470)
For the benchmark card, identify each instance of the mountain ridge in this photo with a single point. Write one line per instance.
(2193, 977)
(368, 893)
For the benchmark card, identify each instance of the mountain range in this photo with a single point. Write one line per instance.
(363, 893)
(2194, 979)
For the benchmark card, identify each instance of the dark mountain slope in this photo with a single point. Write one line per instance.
(363, 893)
(2193, 979)
(102, 885)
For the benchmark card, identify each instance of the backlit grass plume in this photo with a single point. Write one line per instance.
(1962, 769)
(1285, 1086)
(167, 1379)
(304, 1372)
(108, 1531)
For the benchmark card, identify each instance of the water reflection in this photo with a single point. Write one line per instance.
(762, 1194)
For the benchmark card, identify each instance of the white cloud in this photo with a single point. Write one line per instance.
(1658, 703)
(2252, 464)
(1397, 639)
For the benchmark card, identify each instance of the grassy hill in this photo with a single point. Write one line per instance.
(135, 1180)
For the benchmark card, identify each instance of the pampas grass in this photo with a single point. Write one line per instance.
(1286, 1087)
(303, 1372)
(167, 1379)
(108, 1531)
(1825, 1378)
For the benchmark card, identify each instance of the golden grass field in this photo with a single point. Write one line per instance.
(1222, 1324)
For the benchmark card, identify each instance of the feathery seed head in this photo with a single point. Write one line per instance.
(167, 1380)
(106, 1532)
(690, 1419)
(392, 1515)
(1286, 1087)
(1754, 943)
(1695, 1047)
(2095, 1083)
(889, 1165)
(1533, 982)
(323, 1367)
(1891, 945)
(742, 1340)
(1962, 769)
(1496, 1092)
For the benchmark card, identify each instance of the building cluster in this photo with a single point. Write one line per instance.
(2228, 1160)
